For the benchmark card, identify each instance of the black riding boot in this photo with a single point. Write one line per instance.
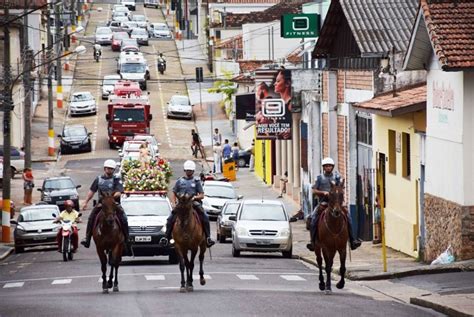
(124, 224)
(86, 242)
(205, 222)
(169, 229)
(313, 232)
(355, 243)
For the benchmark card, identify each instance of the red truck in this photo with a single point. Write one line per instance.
(126, 117)
(127, 88)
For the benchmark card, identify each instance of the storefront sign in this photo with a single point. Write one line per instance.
(299, 25)
(245, 107)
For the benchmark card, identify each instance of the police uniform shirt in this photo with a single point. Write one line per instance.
(107, 184)
(190, 186)
(323, 183)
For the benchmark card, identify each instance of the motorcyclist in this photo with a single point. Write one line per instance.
(188, 184)
(161, 59)
(71, 215)
(106, 183)
(98, 48)
(322, 187)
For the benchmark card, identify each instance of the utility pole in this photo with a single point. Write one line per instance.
(27, 65)
(59, 87)
(7, 105)
(51, 150)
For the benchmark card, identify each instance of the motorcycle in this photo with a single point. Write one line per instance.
(66, 233)
(161, 67)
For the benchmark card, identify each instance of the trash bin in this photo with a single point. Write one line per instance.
(228, 169)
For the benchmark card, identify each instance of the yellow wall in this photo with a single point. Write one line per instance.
(264, 173)
(401, 211)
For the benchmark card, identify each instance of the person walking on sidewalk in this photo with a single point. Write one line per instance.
(226, 150)
(28, 185)
(283, 182)
(217, 137)
(235, 155)
(322, 187)
(217, 150)
(196, 143)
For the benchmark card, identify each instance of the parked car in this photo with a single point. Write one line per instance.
(141, 20)
(141, 35)
(244, 158)
(117, 38)
(103, 35)
(56, 190)
(224, 225)
(262, 226)
(216, 194)
(82, 103)
(108, 85)
(180, 107)
(75, 138)
(17, 160)
(151, 3)
(159, 30)
(147, 224)
(35, 227)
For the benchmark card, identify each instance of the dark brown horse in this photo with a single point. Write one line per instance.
(188, 236)
(332, 237)
(109, 239)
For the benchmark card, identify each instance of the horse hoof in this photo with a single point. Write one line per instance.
(116, 289)
(190, 288)
(182, 289)
(340, 285)
(328, 292)
(203, 281)
(105, 291)
(109, 284)
(322, 286)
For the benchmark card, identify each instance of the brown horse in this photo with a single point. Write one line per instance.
(109, 239)
(188, 236)
(332, 237)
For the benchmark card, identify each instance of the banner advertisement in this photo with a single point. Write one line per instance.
(273, 104)
(245, 107)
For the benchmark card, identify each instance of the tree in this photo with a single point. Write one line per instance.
(225, 87)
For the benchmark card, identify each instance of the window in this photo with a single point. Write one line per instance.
(406, 153)
(392, 152)
(364, 130)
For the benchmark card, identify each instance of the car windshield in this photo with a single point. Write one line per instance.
(139, 32)
(153, 207)
(219, 191)
(230, 209)
(178, 100)
(38, 214)
(161, 27)
(261, 212)
(139, 18)
(103, 31)
(110, 81)
(82, 97)
(58, 184)
(129, 115)
(133, 68)
(130, 42)
(75, 132)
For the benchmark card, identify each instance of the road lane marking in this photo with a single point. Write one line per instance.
(12, 285)
(63, 281)
(292, 278)
(155, 277)
(197, 277)
(247, 277)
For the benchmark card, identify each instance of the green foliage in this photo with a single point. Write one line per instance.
(225, 87)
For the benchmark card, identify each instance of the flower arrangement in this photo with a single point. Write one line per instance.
(155, 177)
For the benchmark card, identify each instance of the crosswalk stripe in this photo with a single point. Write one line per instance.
(64, 281)
(292, 278)
(155, 277)
(12, 285)
(207, 277)
(247, 277)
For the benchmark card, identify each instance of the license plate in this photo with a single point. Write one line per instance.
(39, 238)
(262, 242)
(143, 239)
(59, 202)
(75, 146)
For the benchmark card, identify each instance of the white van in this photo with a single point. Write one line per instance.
(135, 69)
(130, 4)
(151, 3)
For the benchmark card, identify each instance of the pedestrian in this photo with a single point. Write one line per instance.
(235, 155)
(226, 150)
(196, 143)
(217, 137)
(217, 150)
(28, 185)
(283, 182)
(251, 149)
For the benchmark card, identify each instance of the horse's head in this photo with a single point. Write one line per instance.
(336, 198)
(185, 201)
(108, 207)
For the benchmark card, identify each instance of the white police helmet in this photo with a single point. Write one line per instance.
(189, 165)
(327, 161)
(110, 164)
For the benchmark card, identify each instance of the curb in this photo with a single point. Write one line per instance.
(6, 253)
(45, 160)
(438, 307)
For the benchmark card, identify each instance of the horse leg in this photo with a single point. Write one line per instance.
(103, 266)
(328, 260)
(116, 289)
(111, 275)
(117, 259)
(319, 260)
(189, 282)
(181, 268)
(342, 257)
(202, 250)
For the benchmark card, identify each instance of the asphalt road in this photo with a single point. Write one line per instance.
(39, 283)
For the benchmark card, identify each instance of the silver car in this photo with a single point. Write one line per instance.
(180, 107)
(103, 35)
(82, 103)
(141, 20)
(159, 30)
(224, 224)
(141, 35)
(262, 226)
(35, 227)
(108, 85)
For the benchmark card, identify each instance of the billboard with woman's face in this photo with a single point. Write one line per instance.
(273, 104)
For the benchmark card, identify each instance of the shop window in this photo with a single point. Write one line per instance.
(392, 152)
(406, 155)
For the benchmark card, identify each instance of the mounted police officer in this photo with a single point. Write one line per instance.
(321, 188)
(106, 183)
(190, 185)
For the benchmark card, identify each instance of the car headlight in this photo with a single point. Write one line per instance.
(20, 230)
(163, 229)
(241, 231)
(285, 233)
(56, 229)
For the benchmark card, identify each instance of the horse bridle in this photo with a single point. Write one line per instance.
(331, 211)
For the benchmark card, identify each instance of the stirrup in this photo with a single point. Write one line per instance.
(164, 242)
